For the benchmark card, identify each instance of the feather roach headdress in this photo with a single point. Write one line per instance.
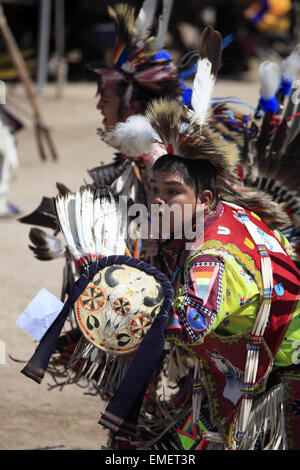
(189, 134)
(138, 59)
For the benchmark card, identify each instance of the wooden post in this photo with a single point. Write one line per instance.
(19, 63)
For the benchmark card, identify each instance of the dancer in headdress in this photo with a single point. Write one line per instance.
(141, 70)
(235, 256)
(236, 308)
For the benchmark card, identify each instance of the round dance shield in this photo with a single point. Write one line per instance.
(118, 307)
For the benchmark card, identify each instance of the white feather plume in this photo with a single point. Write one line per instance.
(269, 78)
(291, 65)
(164, 23)
(135, 136)
(203, 86)
(145, 17)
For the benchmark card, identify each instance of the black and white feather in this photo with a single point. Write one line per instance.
(45, 246)
(105, 175)
(208, 65)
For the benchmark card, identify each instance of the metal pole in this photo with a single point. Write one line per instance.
(44, 39)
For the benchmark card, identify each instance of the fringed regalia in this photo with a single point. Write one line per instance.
(235, 311)
(138, 63)
(236, 308)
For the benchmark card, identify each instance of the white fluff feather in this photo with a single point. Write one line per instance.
(269, 78)
(291, 65)
(135, 136)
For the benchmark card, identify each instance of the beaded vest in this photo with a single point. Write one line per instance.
(223, 359)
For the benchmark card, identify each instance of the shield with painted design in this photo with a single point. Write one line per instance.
(118, 307)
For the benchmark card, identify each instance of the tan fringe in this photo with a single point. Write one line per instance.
(176, 366)
(267, 421)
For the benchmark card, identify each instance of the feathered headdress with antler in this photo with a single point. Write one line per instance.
(137, 59)
(188, 134)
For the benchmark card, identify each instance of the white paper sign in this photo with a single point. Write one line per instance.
(40, 314)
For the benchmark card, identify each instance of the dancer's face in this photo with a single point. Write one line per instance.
(168, 188)
(112, 108)
(109, 104)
